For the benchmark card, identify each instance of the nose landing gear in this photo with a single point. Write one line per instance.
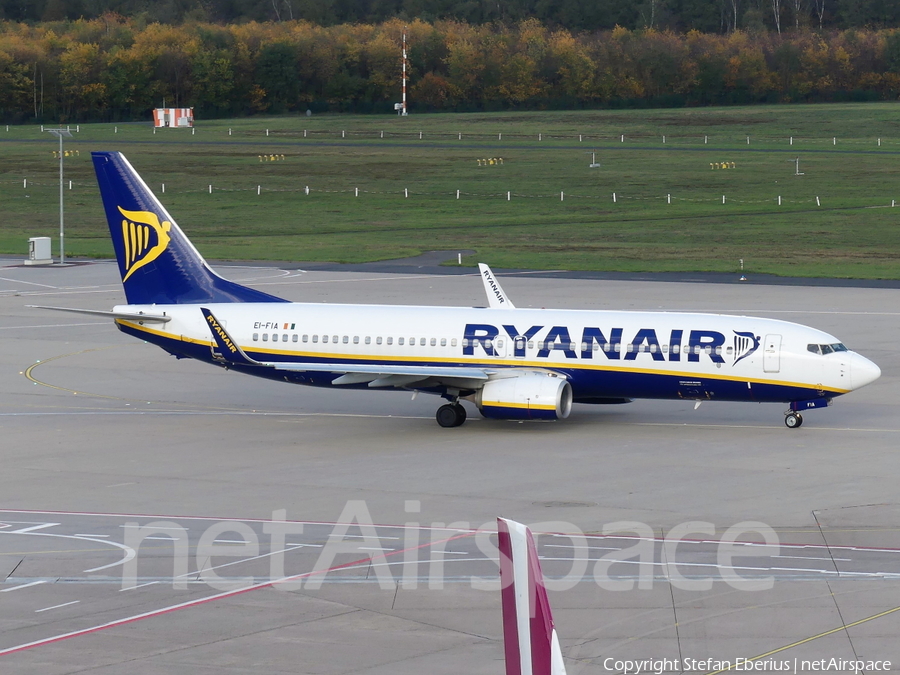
(793, 420)
(451, 415)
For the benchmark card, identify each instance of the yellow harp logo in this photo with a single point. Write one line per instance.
(139, 230)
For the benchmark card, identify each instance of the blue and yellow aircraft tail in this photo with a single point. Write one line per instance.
(158, 263)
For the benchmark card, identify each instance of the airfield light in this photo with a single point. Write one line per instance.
(60, 134)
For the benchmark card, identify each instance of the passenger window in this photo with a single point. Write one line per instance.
(378, 340)
(443, 342)
(265, 337)
(346, 339)
(729, 350)
(719, 351)
(368, 340)
(284, 338)
(500, 343)
(617, 348)
(294, 338)
(606, 346)
(488, 344)
(306, 338)
(653, 349)
(676, 349)
(630, 348)
(334, 339)
(256, 337)
(665, 349)
(315, 338)
(707, 349)
(433, 342)
(596, 346)
(531, 344)
(421, 342)
(465, 342)
(356, 339)
(390, 340)
(324, 339)
(453, 342)
(399, 341)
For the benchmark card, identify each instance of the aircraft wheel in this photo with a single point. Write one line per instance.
(460, 414)
(447, 416)
(793, 420)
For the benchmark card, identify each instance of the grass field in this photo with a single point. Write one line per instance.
(668, 214)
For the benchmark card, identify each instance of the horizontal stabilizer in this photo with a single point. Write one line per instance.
(529, 638)
(127, 316)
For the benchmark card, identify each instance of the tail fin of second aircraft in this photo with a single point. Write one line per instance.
(158, 263)
(529, 637)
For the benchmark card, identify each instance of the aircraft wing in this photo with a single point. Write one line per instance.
(375, 374)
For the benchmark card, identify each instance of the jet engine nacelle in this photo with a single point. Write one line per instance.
(526, 396)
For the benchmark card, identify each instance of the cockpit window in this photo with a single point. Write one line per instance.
(826, 349)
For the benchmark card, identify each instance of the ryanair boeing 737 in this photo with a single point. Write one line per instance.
(510, 363)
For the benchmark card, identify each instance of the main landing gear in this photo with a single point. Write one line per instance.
(451, 415)
(793, 420)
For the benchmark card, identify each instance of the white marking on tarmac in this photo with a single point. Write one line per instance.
(30, 283)
(231, 541)
(131, 588)
(101, 536)
(65, 604)
(16, 588)
(375, 548)
(804, 557)
(26, 530)
(58, 325)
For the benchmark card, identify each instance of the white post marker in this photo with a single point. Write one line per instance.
(460, 136)
(459, 258)
(405, 193)
(357, 192)
(192, 131)
(561, 196)
(164, 188)
(579, 138)
(879, 142)
(779, 200)
(792, 140)
(540, 137)
(229, 131)
(705, 140)
(748, 140)
(420, 135)
(500, 137)
(307, 190)
(669, 198)
(623, 138)
(457, 194)
(115, 131)
(509, 196)
(723, 199)
(834, 141)
(210, 189)
(25, 183)
(70, 184)
(267, 132)
(258, 190)
(817, 201)
(614, 197)
(304, 133)
(664, 139)
(343, 134)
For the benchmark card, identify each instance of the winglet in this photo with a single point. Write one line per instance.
(228, 348)
(529, 638)
(497, 299)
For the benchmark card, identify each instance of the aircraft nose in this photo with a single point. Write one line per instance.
(862, 371)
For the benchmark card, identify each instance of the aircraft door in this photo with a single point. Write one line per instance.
(501, 345)
(772, 354)
(520, 345)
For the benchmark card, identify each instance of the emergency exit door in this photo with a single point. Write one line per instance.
(772, 354)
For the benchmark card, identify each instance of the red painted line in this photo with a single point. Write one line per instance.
(211, 598)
